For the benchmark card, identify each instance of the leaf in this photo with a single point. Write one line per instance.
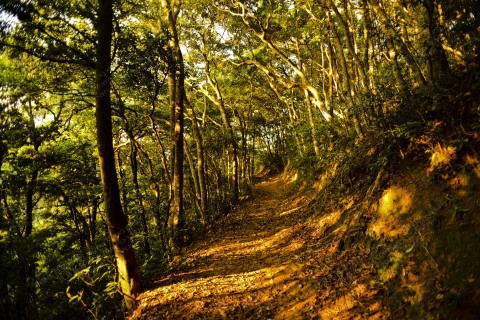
(410, 249)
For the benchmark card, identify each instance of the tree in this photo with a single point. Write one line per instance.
(129, 277)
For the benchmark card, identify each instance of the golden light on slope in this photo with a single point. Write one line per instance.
(441, 156)
(395, 201)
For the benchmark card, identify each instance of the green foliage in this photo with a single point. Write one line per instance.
(94, 290)
(261, 64)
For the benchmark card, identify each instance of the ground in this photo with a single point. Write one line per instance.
(249, 268)
(279, 255)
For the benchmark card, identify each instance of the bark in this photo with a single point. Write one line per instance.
(313, 129)
(123, 182)
(437, 59)
(129, 278)
(392, 37)
(176, 83)
(139, 198)
(349, 40)
(228, 130)
(196, 186)
(197, 136)
(347, 85)
(368, 57)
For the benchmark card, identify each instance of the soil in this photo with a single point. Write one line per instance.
(281, 256)
(248, 268)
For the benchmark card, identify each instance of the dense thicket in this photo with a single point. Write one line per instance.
(202, 94)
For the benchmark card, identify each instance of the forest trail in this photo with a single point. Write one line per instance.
(250, 268)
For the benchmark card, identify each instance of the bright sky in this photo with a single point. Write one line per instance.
(8, 19)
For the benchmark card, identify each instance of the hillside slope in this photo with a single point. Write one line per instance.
(408, 247)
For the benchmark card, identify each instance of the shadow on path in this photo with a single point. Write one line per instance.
(246, 269)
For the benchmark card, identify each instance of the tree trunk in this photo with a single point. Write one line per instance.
(350, 44)
(347, 85)
(129, 278)
(228, 130)
(138, 197)
(29, 202)
(437, 59)
(391, 50)
(313, 129)
(176, 82)
(392, 36)
(197, 136)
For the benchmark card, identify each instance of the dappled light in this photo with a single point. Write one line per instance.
(475, 163)
(269, 160)
(254, 262)
(394, 202)
(441, 156)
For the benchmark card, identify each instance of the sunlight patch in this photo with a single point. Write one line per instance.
(389, 228)
(338, 308)
(320, 225)
(473, 161)
(395, 201)
(390, 272)
(441, 156)
(290, 211)
(294, 177)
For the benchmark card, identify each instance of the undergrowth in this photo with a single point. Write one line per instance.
(409, 201)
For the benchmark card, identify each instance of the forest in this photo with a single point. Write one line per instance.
(132, 132)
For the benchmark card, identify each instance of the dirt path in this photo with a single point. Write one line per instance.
(281, 256)
(249, 269)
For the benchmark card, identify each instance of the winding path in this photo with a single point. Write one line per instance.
(248, 269)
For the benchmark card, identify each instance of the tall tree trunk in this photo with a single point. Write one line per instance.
(129, 278)
(139, 198)
(313, 129)
(437, 59)
(349, 40)
(92, 223)
(176, 82)
(123, 182)
(391, 50)
(347, 85)
(196, 185)
(392, 37)
(197, 136)
(31, 185)
(26, 296)
(368, 57)
(228, 130)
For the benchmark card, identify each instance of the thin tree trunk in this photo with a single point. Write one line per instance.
(227, 126)
(129, 278)
(350, 43)
(346, 83)
(197, 136)
(392, 51)
(313, 129)
(29, 203)
(391, 36)
(139, 198)
(437, 58)
(123, 182)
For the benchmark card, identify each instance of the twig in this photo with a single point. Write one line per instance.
(127, 295)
